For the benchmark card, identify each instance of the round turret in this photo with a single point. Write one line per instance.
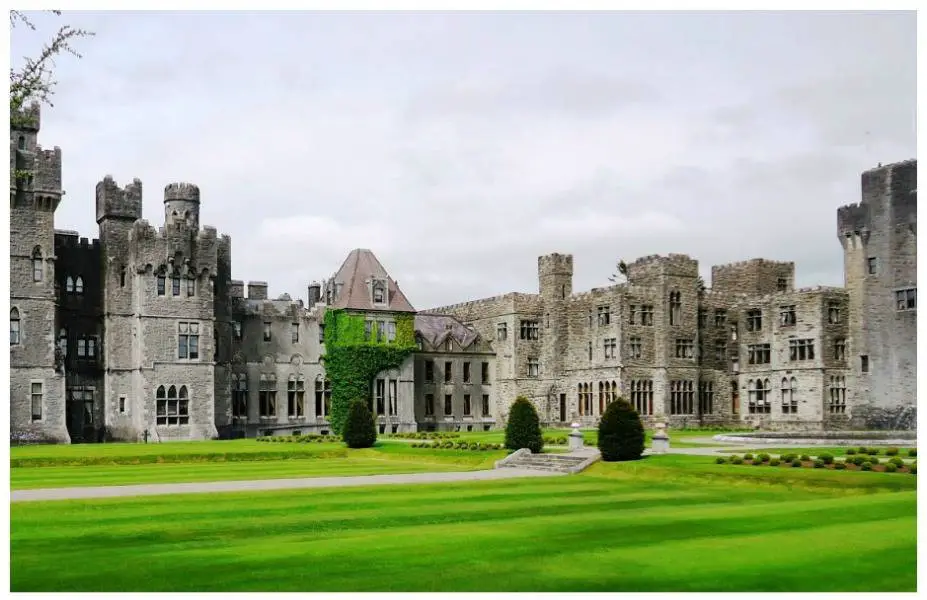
(182, 205)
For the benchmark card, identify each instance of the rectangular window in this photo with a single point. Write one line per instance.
(191, 287)
(801, 350)
(675, 316)
(484, 373)
(833, 312)
(605, 317)
(590, 350)
(786, 315)
(647, 314)
(632, 314)
(173, 411)
(502, 332)
(368, 329)
(782, 284)
(236, 328)
(448, 372)
(122, 405)
(381, 396)
(754, 320)
(392, 399)
(81, 347)
(381, 331)
(758, 397)
(529, 330)
(682, 397)
(429, 371)
(14, 328)
(466, 372)
(296, 403)
(429, 405)
(906, 299)
(323, 398)
(837, 404)
(533, 367)
(188, 340)
(38, 270)
(485, 405)
(321, 333)
(685, 348)
(175, 286)
(872, 264)
(864, 363)
(702, 318)
(268, 396)
(635, 347)
(468, 410)
(720, 317)
(720, 350)
(840, 349)
(448, 404)
(758, 354)
(706, 397)
(240, 396)
(161, 281)
(390, 331)
(36, 401)
(294, 332)
(611, 347)
(267, 331)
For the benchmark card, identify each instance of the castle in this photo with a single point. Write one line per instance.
(142, 334)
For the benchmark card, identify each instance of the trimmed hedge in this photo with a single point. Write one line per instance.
(301, 439)
(360, 430)
(621, 432)
(425, 435)
(469, 446)
(523, 429)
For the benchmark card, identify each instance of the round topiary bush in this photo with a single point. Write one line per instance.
(891, 468)
(737, 461)
(851, 451)
(523, 429)
(858, 460)
(763, 457)
(840, 466)
(872, 451)
(827, 459)
(796, 463)
(758, 462)
(891, 452)
(819, 464)
(748, 456)
(913, 469)
(912, 452)
(873, 460)
(621, 433)
(774, 462)
(805, 458)
(866, 466)
(359, 431)
(898, 462)
(720, 460)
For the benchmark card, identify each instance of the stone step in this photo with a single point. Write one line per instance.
(536, 467)
(543, 459)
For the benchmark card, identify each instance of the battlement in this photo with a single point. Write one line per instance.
(181, 191)
(71, 240)
(27, 118)
(656, 265)
(114, 202)
(257, 290)
(472, 303)
(208, 233)
(236, 288)
(852, 218)
(555, 264)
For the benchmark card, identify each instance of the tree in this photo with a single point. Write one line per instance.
(34, 80)
(621, 433)
(360, 431)
(523, 429)
(622, 272)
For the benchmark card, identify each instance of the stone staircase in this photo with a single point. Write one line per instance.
(573, 462)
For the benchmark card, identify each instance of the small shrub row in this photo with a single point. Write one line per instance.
(426, 435)
(864, 462)
(299, 439)
(447, 445)
(555, 441)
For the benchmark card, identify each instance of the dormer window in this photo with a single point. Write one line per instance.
(379, 293)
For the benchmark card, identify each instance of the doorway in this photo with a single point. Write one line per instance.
(79, 416)
(563, 408)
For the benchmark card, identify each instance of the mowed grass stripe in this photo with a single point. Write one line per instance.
(407, 553)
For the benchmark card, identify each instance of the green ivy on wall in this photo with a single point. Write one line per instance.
(351, 362)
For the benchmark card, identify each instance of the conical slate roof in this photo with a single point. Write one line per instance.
(355, 274)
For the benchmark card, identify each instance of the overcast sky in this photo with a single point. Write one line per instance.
(460, 147)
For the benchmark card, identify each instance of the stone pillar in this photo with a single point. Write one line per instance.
(660, 444)
(576, 438)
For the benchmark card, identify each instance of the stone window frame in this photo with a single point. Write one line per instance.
(635, 347)
(175, 398)
(188, 341)
(782, 284)
(448, 371)
(840, 349)
(906, 299)
(801, 349)
(872, 265)
(589, 349)
(720, 317)
(485, 409)
(429, 405)
(379, 397)
(675, 307)
(448, 405)
(864, 366)
(642, 396)
(502, 331)
(759, 354)
(534, 367)
(161, 284)
(682, 397)
(191, 287)
(429, 366)
(79, 285)
(69, 285)
(237, 330)
(604, 315)
(294, 333)
(392, 397)
(296, 396)
(706, 397)
(467, 406)
(685, 349)
(610, 347)
(122, 405)
(175, 286)
(754, 319)
(240, 396)
(758, 391)
(585, 404)
(16, 327)
(632, 314)
(323, 396)
(702, 321)
(63, 341)
(87, 347)
(268, 332)
(833, 312)
(38, 265)
(378, 287)
(37, 396)
(787, 316)
(788, 395)
(467, 376)
(837, 395)
(720, 349)
(267, 396)
(529, 329)
(484, 373)
(647, 315)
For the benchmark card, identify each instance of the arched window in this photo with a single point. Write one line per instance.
(579, 396)
(14, 326)
(38, 266)
(69, 285)
(171, 392)
(183, 392)
(789, 399)
(160, 392)
(79, 285)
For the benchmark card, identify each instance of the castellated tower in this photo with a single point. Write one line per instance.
(159, 314)
(37, 390)
(555, 284)
(879, 239)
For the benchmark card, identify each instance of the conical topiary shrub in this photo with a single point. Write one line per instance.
(621, 433)
(524, 428)
(359, 429)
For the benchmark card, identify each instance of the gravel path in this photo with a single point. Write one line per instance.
(78, 493)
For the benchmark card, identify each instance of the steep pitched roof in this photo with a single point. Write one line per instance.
(354, 275)
(435, 329)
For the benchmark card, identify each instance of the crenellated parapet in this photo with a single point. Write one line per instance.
(114, 202)
(655, 266)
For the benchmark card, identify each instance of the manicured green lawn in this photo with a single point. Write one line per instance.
(210, 461)
(667, 523)
(833, 450)
(678, 437)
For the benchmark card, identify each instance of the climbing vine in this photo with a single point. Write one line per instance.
(351, 362)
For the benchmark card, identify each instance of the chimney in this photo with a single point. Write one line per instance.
(236, 289)
(315, 294)
(257, 290)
